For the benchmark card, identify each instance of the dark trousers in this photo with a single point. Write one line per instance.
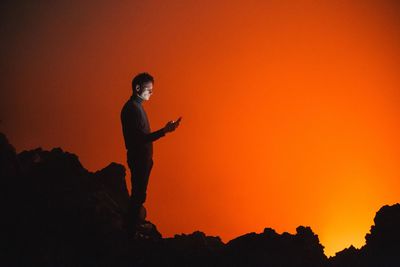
(140, 172)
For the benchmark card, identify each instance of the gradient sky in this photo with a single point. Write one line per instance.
(290, 108)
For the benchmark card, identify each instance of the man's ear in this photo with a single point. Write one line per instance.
(137, 88)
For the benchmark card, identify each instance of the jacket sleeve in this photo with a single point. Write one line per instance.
(150, 137)
(134, 127)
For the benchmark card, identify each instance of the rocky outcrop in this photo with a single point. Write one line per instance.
(56, 213)
(382, 246)
(59, 214)
(272, 249)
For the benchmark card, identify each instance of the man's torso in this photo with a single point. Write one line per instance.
(135, 121)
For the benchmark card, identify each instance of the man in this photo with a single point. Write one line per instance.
(139, 142)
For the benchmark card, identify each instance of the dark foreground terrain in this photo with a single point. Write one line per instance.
(56, 213)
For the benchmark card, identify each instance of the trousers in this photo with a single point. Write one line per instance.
(140, 168)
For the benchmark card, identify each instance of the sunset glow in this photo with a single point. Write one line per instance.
(290, 108)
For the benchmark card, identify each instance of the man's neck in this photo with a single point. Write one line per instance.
(137, 99)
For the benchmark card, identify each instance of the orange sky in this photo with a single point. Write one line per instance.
(290, 108)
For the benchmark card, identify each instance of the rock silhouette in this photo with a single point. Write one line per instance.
(382, 246)
(56, 213)
(272, 249)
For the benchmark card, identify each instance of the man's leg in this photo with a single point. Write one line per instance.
(140, 173)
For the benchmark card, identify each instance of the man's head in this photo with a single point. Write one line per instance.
(142, 85)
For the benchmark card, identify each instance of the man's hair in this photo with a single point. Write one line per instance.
(140, 79)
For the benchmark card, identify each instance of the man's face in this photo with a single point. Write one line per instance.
(145, 91)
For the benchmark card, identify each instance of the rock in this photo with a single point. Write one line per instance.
(56, 213)
(272, 249)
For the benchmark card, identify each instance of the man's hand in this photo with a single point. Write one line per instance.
(172, 125)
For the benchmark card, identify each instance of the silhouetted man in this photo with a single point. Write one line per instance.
(139, 141)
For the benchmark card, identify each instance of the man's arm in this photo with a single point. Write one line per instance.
(151, 137)
(148, 137)
(136, 130)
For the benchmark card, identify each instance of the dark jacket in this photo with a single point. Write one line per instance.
(136, 129)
